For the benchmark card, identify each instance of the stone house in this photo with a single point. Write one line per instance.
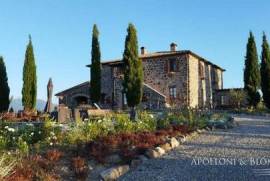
(171, 79)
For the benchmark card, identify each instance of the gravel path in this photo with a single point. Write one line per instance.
(238, 147)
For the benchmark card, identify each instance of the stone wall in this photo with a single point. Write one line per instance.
(158, 76)
(223, 99)
(203, 80)
(69, 97)
(208, 86)
(193, 81)
(107, 82)
(217, 78)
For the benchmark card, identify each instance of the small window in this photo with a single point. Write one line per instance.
(124, 99)
(173, 65)
(222, 100)
(172, 92)
(145, 97)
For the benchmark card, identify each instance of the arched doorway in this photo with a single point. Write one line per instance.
(79, 100)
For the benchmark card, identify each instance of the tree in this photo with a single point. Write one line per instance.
(4, 88)
(265, 71)
(133, 71)
(29, 90)
(95, 88)
(237, 97)
(252, 72)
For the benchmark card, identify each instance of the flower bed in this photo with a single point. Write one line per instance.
(111, 139)
(131, 145)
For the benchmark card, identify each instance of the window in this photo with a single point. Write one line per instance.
(201, 71)
(145, 97)
(172, 92)
(124, 99)
(173, 65)
(214, 77)
(222, 100)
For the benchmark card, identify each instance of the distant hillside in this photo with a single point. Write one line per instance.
(17, 104)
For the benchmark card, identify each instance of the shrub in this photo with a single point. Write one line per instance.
(22, 173)
(51, 132)
(3, 142)
(163, 123)
(7, 164)
(80, 167)
(7, 136)
(30, 133)
(122, 123)
(22, 146)
(146, 122)
(33, 168)
(237, 97)
(218, 116)
(53, 155)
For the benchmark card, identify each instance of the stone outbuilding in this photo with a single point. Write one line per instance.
(75, 96)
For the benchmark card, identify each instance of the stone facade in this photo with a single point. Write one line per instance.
(171, 79)
(75, 96)
(157, 74)
(179, 78)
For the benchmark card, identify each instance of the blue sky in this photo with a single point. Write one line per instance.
(61, 34)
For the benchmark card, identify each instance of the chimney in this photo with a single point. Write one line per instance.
(173, 47)
(143, 51)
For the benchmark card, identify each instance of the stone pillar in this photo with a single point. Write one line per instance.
(77, 115)
(63, 114)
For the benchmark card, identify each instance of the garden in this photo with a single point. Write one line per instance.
(79, 149)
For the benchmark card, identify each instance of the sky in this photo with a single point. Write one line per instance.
(61, 34)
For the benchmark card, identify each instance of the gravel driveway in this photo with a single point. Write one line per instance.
(216, 155)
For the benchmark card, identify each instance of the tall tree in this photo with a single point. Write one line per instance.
(95, 84)
(133, 71)
(4, 88)
(265, 71)
(252, 72)
(29, 90)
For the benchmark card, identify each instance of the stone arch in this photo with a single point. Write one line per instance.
(80, 99)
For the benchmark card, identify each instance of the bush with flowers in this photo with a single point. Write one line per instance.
(111, 132)
(111, 124)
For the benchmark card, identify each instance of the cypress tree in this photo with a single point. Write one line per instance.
(265, 71)
(133, 71)
(4, 88)
(95, 84)
(29, 90)
(252, 72)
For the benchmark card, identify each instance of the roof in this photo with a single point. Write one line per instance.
(154, 90)
(229, 89)
(74, 87)
(162, 54)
